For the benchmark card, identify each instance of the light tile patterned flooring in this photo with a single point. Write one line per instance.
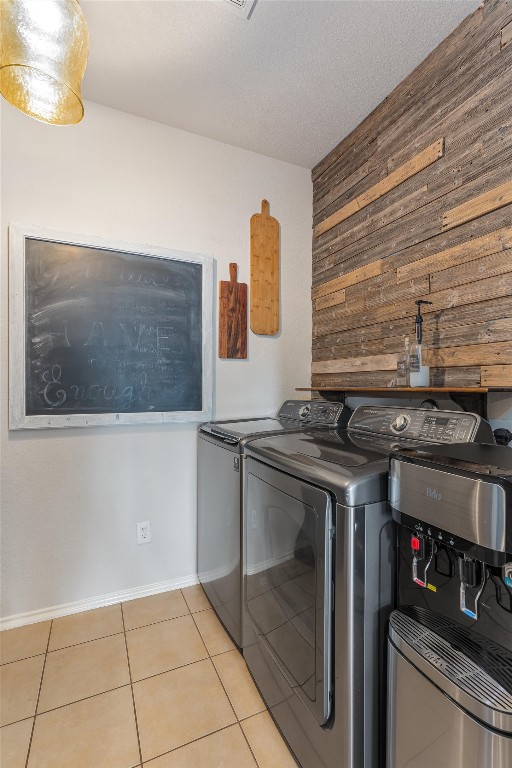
(154, 682)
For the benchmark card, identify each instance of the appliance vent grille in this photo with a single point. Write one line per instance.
(493, 658)
(454, 664)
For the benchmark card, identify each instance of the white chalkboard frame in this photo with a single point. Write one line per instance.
(18, 418)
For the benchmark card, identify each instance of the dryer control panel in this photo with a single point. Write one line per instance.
(420, 424)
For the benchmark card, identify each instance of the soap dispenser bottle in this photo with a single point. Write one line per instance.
(419, 372)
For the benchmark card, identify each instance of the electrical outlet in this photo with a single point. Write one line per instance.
(144, 532)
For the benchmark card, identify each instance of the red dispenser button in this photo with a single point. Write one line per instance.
(418, 546)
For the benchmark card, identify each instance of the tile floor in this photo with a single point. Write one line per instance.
(152, 682)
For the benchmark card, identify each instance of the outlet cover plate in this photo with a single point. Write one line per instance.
(144, 532)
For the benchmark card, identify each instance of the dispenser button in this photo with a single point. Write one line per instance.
(470, 571)
(418, 547)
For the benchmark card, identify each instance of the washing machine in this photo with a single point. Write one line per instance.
(221, 454)
(319, 576)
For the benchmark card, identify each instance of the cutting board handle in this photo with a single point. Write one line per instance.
(265, 208)
(233, 272)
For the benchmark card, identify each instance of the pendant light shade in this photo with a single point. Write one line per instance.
(43, 54)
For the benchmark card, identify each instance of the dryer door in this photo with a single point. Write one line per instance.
(288, 584)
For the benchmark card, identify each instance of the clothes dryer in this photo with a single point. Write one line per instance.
(319, 576)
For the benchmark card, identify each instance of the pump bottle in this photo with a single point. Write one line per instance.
(419, 372)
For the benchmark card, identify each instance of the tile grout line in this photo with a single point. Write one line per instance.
(79, 701)
(240, 721)
(39, 694)
(206, 658)
(24, 658)
(215, 668)
(157, 674)
(209, 657)
(160, 621)
(188, 743)
(118, 687)
(198, 630)
(84, 642)
(186, 603)
(131, 686)
(225, 691)
(248, 744)
(101, 637)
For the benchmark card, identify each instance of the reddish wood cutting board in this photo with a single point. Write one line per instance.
(232, 316)
(264, 272)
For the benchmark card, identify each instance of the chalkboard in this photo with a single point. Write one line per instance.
(107, 333)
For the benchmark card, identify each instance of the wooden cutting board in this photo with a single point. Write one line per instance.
(264, 272)
(232, 316)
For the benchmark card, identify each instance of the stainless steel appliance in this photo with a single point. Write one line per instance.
(318, 585)
(221, 447)
(450, 639)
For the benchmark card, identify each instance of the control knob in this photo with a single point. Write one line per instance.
(400, 423)
(304, 411)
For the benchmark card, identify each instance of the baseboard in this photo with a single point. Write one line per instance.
(55, 611)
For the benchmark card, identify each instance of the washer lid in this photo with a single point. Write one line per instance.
(238, 429)
(293, 414)
(357, 474)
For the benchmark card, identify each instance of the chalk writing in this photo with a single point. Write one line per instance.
(110, 332)
(51, 395)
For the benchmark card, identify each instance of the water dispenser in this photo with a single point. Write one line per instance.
(450, 638)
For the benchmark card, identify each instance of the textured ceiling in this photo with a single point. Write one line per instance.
(290, 82)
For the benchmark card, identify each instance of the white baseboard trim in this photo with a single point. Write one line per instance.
(55, 611)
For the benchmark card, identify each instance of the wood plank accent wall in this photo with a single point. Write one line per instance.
(417, 203)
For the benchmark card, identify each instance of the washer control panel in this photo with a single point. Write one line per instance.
(415, 423)
(314, 412)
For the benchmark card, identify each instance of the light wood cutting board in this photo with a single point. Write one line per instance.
(232, 316)
(264, 272)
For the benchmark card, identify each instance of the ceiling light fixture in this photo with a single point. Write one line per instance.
(43, 54)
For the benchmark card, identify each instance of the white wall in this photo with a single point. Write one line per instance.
(71, 498)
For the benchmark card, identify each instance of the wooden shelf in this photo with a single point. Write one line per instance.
(390, 390)
(472, 399)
